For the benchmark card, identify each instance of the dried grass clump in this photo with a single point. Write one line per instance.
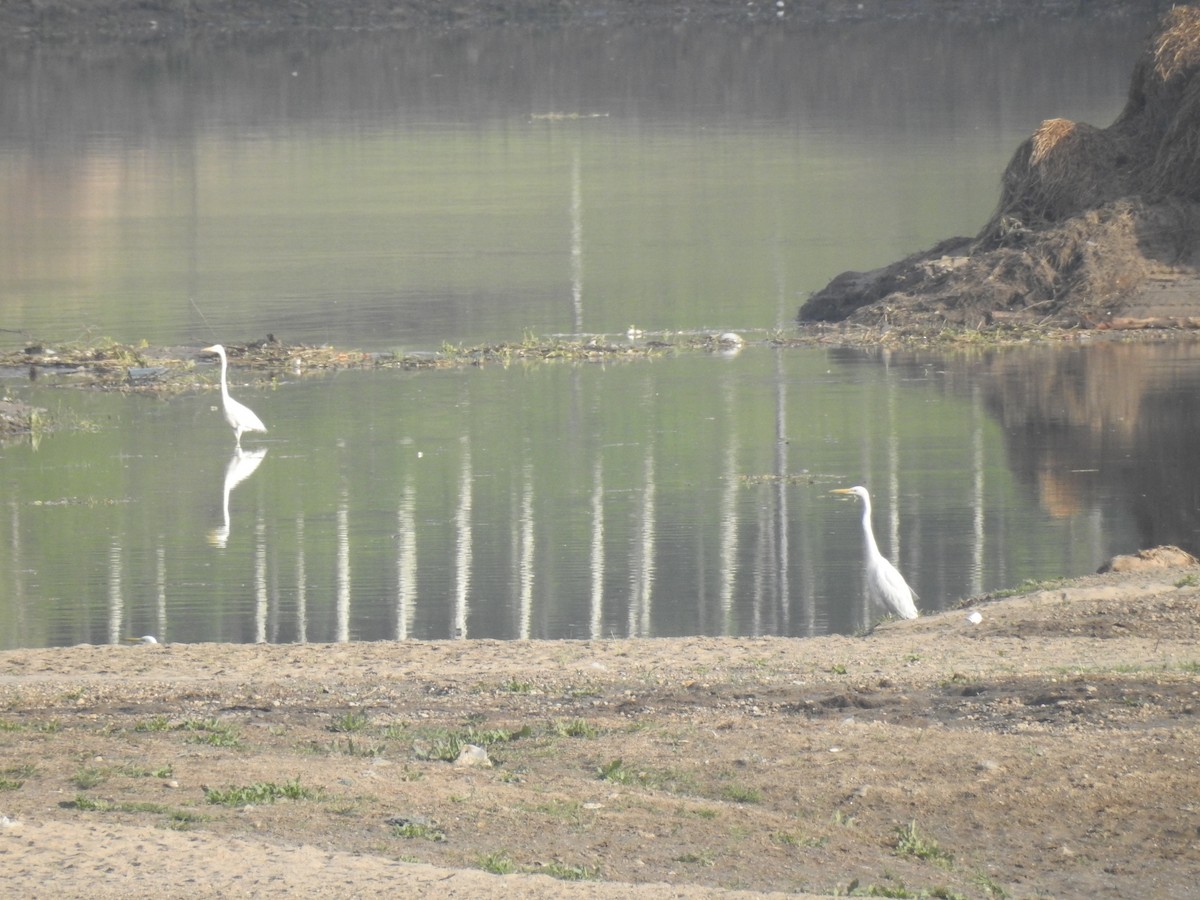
(1063, 169)
(1153, 147)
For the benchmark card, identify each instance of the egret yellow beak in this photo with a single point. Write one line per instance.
(841, 491)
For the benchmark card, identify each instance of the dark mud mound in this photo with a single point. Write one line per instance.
(1095, 227)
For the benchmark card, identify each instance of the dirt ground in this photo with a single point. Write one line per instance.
(1047, 750)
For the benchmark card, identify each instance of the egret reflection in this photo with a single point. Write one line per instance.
(241, 466)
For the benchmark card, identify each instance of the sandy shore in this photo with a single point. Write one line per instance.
(1047, 750)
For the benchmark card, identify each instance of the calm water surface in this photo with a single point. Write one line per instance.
(406, 191)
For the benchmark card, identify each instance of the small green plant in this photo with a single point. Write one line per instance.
(989, 885)
(10, 784)
(350, 722)
(156, 724)
(447, 746)
(422, 830)
(516, 686)
(498, 863)
(182, 820)
(565, 872)
(910, 842)
(703, 858)
(575, 728)
(89, 777)
(840, 818)
(838, 669)
(615, 771)
(262, 792)
(1188, 581)
(741, 794)
(87, 804)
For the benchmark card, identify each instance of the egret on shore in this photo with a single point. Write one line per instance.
(884, 582)
(144, 639)
(238, 415)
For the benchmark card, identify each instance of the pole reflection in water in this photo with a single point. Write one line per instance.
(406, 561)
(301, 584)
(596, 604)
(641, 569)
(116, 594)
(343, 568)
(261, 610)
(241, 466)
(463, 545)
(160, 618)
(525, 554)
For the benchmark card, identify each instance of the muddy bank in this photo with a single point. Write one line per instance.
(1045, 751)
(1095, 227)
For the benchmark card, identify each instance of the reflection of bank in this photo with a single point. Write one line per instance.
(1109, 429)
(241, 466)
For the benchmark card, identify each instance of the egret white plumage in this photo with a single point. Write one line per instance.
(884, 582)
(240, 417)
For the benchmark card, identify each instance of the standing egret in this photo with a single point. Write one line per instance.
(884, 582)
(238, 415)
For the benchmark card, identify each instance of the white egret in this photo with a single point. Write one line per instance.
(144, 639)
(884, 582)
(238, 415)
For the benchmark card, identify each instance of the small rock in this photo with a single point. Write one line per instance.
(472, 755)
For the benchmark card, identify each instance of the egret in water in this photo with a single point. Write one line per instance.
(884, 582)
(238, 415)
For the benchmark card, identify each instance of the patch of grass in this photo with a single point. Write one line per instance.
(615, 771)
(838, 669)
(359, 749)
(217, 739)
(1029, 586)
(53, 726)
(177, 819)
(498, 863)
(182, 819)
(87, 804)
(516, 686)
(910, 842)
(575, 728)
(1188, 581)
(260, 792)
(131, 771)
(565, 872)
(791, 839)
(840, 818)
(741, 794)
(89, 777)
(990, 886)
(702, 858)
(419, 830)
(447, 746)
(10, 784)
(350, 722)
(5, 725)
(154, 725)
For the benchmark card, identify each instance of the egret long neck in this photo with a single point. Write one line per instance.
(224, 386)
(868, 531)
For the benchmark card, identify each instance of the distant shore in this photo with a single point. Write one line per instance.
(75, 21)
